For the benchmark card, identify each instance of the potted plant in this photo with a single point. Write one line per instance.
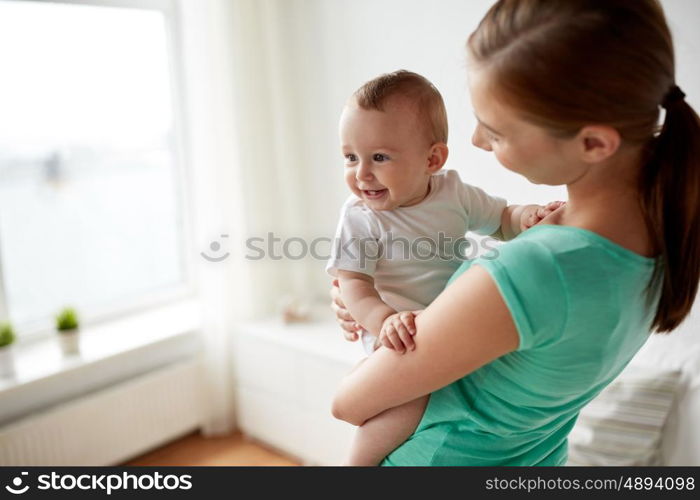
(7, 338)
(67, 326)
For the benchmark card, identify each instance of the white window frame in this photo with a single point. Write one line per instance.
(41, 329)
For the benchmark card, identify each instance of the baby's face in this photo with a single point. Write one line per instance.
(386, 155)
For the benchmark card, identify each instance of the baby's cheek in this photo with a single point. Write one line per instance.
(350, 180)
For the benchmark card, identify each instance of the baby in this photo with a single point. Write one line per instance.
(399, 232)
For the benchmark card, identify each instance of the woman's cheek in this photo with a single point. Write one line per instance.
(504, 159)
(513, 162)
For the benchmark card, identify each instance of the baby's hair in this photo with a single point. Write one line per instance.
(430, 107)
(564, 64)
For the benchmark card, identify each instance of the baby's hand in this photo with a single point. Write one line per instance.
(398, 330)
(532, 215)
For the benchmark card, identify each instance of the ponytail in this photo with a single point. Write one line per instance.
(670, 199)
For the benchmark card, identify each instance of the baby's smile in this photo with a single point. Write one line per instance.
(374, 194)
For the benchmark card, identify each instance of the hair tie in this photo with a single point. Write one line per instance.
(674, 94)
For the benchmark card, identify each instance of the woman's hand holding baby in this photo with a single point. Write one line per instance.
(397, 332)
(342, 315)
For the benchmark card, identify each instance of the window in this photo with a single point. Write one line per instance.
(91, 212)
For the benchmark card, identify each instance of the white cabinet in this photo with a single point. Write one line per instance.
(286, 377)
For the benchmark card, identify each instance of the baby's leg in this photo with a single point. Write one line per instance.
(381, 435)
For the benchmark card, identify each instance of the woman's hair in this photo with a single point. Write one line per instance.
(422, 94)
(564, 64)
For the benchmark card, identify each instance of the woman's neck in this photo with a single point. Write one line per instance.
(606, 201)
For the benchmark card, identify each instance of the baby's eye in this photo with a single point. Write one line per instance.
(350, 157)
(380, 157)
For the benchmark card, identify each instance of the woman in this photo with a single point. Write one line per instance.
(516, 345)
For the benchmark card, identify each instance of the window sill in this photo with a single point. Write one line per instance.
(109, 353)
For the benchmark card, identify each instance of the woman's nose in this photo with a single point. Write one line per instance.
(478, 140)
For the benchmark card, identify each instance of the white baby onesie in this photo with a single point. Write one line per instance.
(411, 252)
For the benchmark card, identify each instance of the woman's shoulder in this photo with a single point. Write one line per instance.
(550, 272)
(553, 259)
(562, 243)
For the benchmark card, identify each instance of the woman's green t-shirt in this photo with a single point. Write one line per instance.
(581, 310)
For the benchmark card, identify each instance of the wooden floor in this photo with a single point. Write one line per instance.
(195, 450)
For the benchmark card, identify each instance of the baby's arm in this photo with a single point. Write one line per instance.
(511, 220)
(517, 218)
(363, 301)
(392, 329)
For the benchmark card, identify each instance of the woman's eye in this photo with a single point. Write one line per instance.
(491, 137)
(380, 157)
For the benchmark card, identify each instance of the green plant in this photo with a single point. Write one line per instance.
(7, 334)
(67, 320)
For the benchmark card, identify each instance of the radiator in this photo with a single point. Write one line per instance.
(109, 426)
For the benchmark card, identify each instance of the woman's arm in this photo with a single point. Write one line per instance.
(465, 327)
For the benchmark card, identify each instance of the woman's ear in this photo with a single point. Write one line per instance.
(598, 143)
(438, 156)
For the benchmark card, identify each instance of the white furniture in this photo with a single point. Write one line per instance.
(286, 378)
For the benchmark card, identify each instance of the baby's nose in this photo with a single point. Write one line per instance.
(363, 172)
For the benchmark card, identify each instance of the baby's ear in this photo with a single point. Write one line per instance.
(438, 156)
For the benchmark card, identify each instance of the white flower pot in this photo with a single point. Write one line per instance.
(70, 341)
(7, 361)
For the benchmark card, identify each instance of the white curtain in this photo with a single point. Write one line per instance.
(246, 172)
